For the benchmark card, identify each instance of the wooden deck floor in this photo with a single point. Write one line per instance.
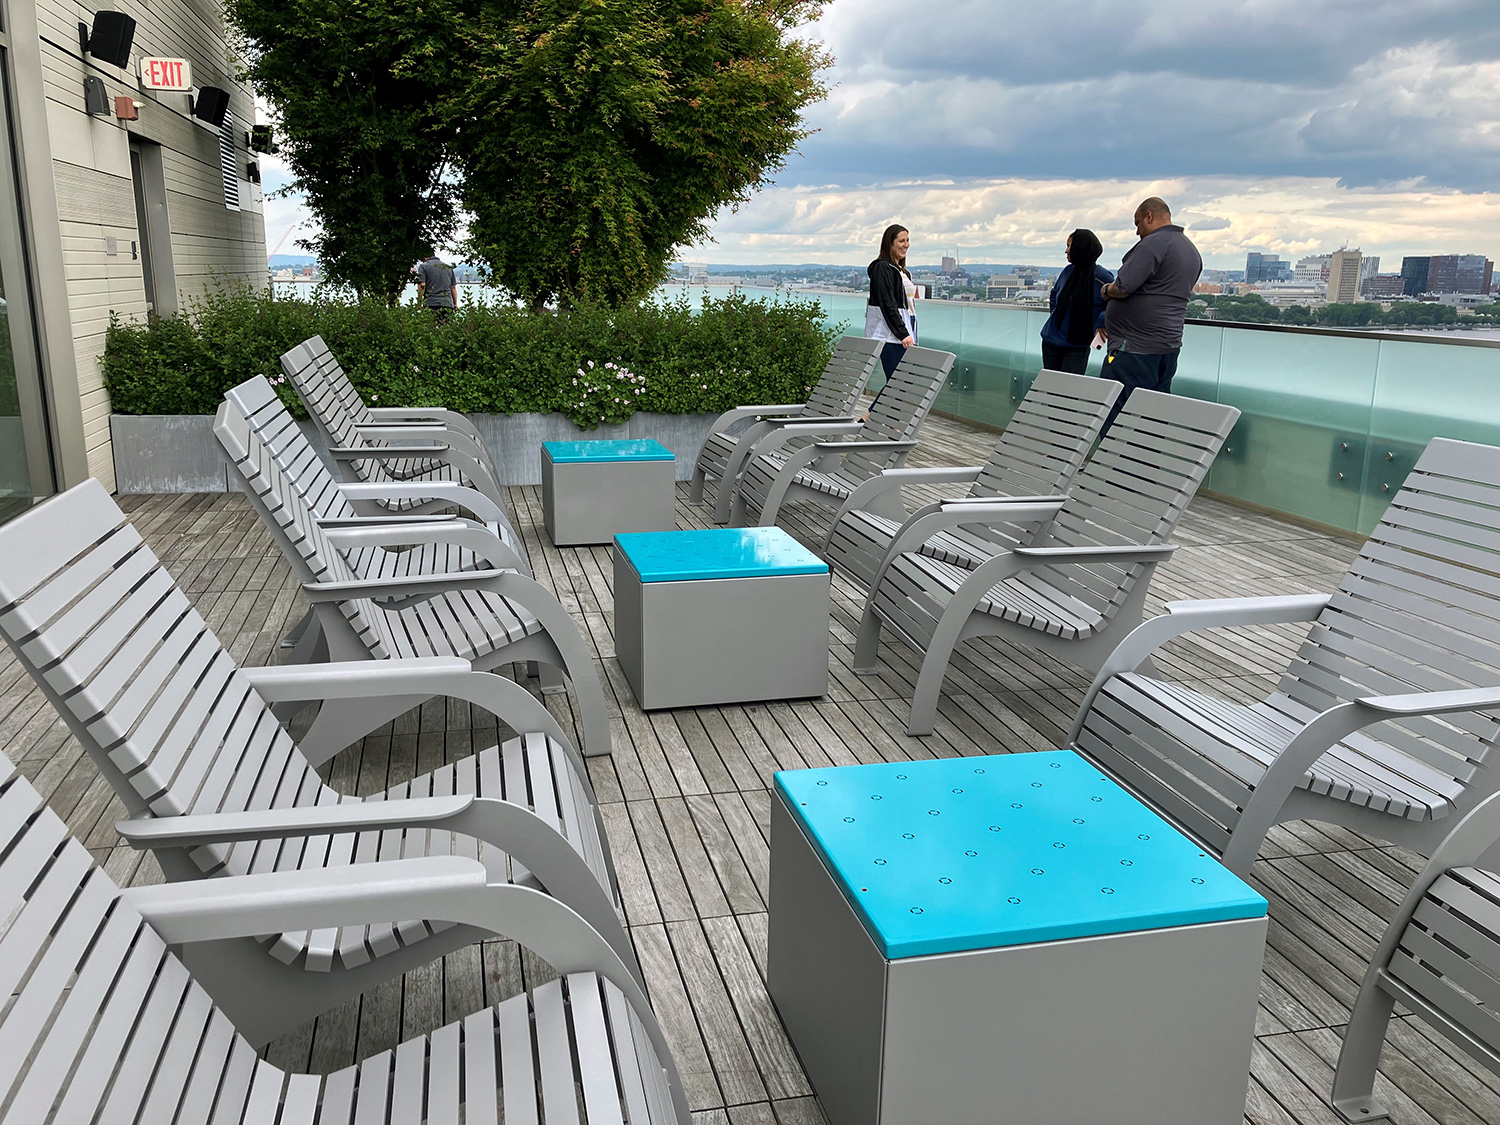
(687, 807)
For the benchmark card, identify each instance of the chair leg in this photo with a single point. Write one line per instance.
(1354, 1080)
(867, 643)
(297, 631)
(924, 700)
(695, 490)
(551, 679)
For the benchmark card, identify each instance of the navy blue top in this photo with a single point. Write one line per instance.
(952, 854)
(1055, 331)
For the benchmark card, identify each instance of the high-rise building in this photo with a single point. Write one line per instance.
(1343, 276)
(1369, 266)
(1266, 267)
(1459, 273)
(950, 266)
(1414, 273)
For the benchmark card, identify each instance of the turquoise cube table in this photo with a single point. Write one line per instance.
(723, 615)
(593, 489)
(1010, 939)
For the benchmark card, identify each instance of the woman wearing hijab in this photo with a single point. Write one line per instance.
(1077, 305)
(890, 314)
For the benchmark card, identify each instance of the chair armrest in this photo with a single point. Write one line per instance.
(1434, 702)
(1189, 617)
(1129, 553)
(867, 493)
(1057, 499)
(407, 586)
(355, 679)
(385, 452)
(485, 543)
(796, 428)
(373, 521)
(460, 495)
(748, 413)
(844, 446)
(315, 820)
(926, 522)
(455, 439)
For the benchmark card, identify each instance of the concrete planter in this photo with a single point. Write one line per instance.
(178, 453)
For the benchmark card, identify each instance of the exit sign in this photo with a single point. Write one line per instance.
(166, 74)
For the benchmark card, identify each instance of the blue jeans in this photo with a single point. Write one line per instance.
(1149, 371)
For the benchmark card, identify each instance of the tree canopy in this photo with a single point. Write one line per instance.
(586, 140)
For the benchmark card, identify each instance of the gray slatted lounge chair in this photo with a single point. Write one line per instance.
(735, 433)
(1082, 579)
(1439, 957)
(359, 438)
(1042, 449)
(1380, 724)
(779, 470)
(451, 544)
(217, 787)
(489, 617)
(338, 503)
(117, 1012)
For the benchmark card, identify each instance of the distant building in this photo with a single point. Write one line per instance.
(1465, 300)
(1414, 275)
(1369, 266)
(1003, 287)
(950, 266)
(1459, 273)
(1313, 270)
(1383, 286)
(765, 281)
(1265, 267)
(1343, 276)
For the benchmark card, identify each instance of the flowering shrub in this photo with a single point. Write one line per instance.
(592, 364)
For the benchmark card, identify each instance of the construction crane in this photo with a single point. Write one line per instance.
(282, 240)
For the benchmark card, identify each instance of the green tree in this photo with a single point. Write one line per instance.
(1350, 314)
(600, 136)
(1251, 308)
(360, 87)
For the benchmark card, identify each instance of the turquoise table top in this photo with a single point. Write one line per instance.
(635, 449)
(716, 552)
(972, 853)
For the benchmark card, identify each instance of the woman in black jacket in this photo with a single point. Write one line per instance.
(1077, 304)
(890, 314)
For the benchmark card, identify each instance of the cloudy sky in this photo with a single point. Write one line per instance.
(994, 127)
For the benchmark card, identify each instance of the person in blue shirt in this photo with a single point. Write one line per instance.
(1077, 305)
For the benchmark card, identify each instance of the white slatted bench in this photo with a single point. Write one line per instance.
(105, 1023)
(1042, 449)
(778, 470)
(735, 433)
(1386, 719)
(1081, 580)
(216, 786)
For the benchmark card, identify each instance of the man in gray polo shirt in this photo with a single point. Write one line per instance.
(1147, 303)
(436, 286)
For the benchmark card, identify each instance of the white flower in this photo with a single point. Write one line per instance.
(374, 398)
(591, 363)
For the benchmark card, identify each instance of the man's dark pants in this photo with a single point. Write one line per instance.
(1075, 361)
(441, 312)
(1149, 371)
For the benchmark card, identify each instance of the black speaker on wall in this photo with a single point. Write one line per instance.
(212, 106)
(111, 38)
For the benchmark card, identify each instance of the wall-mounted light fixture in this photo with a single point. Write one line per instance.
(252, 172)
(110, 38)
(127, 108)
(262, 139)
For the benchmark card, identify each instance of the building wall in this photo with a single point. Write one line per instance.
(90, 160)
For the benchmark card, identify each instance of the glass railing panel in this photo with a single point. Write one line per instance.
(1306, 410)
(1423, 391)
(991, 362)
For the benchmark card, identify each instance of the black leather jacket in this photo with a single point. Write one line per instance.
(888, 293)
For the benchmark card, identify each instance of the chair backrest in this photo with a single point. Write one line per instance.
(330, 398)
(294, 526)
(900, 408)
(1419, 611)
(136, 673)
(105, 1023)
(1133, 491)
(848, 370)
(257, 402)
(1045, 443)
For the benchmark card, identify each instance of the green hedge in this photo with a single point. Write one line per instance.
(592, 364)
